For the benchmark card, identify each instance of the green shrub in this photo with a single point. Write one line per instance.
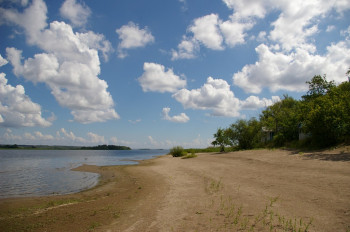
(177, 151)
(192, 155)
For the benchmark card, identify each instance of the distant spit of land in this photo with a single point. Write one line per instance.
(55, 147)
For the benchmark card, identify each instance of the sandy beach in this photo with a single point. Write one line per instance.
(259, 190)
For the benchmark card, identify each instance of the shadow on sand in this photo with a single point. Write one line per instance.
(328, 157)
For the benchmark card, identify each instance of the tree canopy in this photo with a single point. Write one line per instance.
(323, 114)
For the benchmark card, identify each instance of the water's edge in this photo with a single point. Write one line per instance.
(51, 173)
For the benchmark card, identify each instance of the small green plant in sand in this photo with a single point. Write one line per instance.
(94, 225)
(192, 155)
(59, 202)
(214, 186)
(178, 151)
(234, 218)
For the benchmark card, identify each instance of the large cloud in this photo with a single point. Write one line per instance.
(156, 79)
(17, 109)
(289, 55)
(70, 66)
(298, 21)
(215, 95)
(247, 8)
(206, 31)
(32, 20)
(132, 36)
(181, 118)
(289, 58)
(254, 102)
(77, 13)
(212, 32)
(234, 30)
(289, 71)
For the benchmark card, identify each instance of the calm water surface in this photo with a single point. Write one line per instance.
(44, 172)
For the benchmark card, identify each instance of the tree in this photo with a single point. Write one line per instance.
(327, 116)
(283, 118)
(221, 139)
(318, 86)
(245, 134)
(324, 113)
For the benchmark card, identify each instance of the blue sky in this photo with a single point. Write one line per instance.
(155, 74)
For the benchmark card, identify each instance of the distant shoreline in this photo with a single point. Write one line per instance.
(59, 147)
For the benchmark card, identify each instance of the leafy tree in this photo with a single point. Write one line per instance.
(324, 113)
(327, 116)
(221, 139)
(245, 134)
(318, 86)
(283, 118)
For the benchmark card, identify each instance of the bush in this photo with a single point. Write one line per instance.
(177, 151)
(192, 155)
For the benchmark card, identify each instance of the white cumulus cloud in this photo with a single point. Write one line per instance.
(216, 96)
(254, 102)
(76, 13)
(69, 136)
(234, 30)
(17, 109)
(288, 58)
(61, 137)
(2, 61)
(181, 118)
(96, 41)
(212, 32)
(289, 71)
(95, 138)
(38, 136)
(156, 79)
(132, 36)
(206, 31)
(32, 20)
(69, 65)
(187, 49)
(248, 8)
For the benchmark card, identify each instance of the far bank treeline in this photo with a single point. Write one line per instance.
(106, 147)
(320, 119)
(46, 147)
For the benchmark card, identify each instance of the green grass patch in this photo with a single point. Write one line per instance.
(55, 203)
(189, 156)
(210, 149)
(232, 217)
(94, 225)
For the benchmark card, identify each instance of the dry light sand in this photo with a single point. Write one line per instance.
(260, 190)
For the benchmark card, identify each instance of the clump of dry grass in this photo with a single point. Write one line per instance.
(230, 215)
